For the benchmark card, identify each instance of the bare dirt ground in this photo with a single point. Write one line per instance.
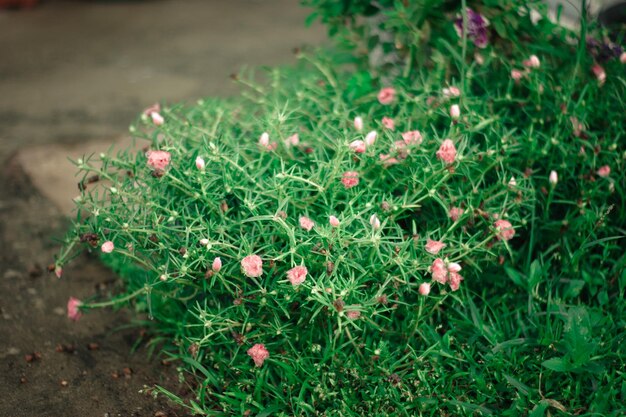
(72, 72)
(49, 365)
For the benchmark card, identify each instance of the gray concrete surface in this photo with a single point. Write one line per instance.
(74, 74)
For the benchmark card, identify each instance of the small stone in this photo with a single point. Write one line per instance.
(59, 311)
(12, 274)
(93, 346)
(23, 380)
(64, 383)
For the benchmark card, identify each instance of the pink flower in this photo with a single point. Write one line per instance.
(375, 221)
(334, 222)
(353, 314)
(553, 178)
(412, 137)
(389, 123)
(306, 223)
(264, 140)
(358, 123)
(350, 179)
(157, 119)
(455, 213)
(439, 271)
(424, 289)
(158, 159)
(532, 62)
(516, 75)
(58, 271)
(455, 281)
(452, 91)
(155, 108)
(200, 164)
(447, 152)
(297, 275)
(258, 353)
(504, 229)
(388, 160)
(107, 247)
(454, 267)
(217, 264)
(73, 311)
(370, 138)
(434, 246)
(604, 171)
(252, 266)
(622, 58)
(358, 146)
(293, 140)
(386, 95)
(599, 73)
(455, 111)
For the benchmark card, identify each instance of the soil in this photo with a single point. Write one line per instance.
(49, 365)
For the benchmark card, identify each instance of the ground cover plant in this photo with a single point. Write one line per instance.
(439, 234)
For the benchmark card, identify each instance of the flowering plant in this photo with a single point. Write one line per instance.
(277, 245)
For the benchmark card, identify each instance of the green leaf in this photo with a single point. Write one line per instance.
(557, 365)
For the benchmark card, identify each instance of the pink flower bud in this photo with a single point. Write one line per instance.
(200, 164)
(252, 266)
(217, 264)
(599, 73)
(264, 140)
(358, 123)
(306, 223)
(358, 146)
(352, 313)
(532, 62)
(604, 171)
(157, 119)
(107, 247)
(334, 221)
(297, 275)
(452, 91)
(204, 242)
(455, 213)
(516, 75)
(553, 178)
(293, 140)
(389, 123)
(455, 111)
(434, 246)
(454, 267)
(375, 221)
(424, 289)
(386, 95)
(58, 271)
(622, 58)
(447, 152)
(73, 311)
(258, 353)
(370, 138)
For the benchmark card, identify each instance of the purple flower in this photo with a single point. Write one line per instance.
(603, 51)
(476, 28)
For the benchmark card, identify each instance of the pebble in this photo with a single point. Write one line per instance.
(12, 274)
